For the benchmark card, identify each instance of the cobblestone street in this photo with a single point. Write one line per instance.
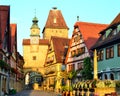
(35, 93)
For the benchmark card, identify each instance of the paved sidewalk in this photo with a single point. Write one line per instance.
(35, 93)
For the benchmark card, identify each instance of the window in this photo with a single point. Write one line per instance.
(100, 55)
(111, 76)
(76, 29)
(71, 67)
(79, 66)
(34, 57)
(77, 38)
(105, 76)
(81, 50)
(108, 32)
(114, 32)
(119, 50)
(118, 28)
(109, 52)
(1, 56)
(73, 53)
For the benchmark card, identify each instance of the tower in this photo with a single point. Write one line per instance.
(35, 32)
(55, 25)
(34, 49)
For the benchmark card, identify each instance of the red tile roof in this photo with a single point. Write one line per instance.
(60, 22)
(59, 44)
(4, 21)
(90, 32)
(13, 28)
(116, 20)
(41, 42)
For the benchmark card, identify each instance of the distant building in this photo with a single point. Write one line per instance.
(84, 35)
(5, 48)
(54, 65)
(8, 51)
(13, 57)
(55, 25)
(108, 51)
(20, 73)
(34, 49)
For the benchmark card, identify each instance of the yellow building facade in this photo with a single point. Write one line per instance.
(54, 71)
(34, 50)
(40, 55)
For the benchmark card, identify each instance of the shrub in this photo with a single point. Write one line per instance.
(118, 84)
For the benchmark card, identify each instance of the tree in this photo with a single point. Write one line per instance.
(87, 70)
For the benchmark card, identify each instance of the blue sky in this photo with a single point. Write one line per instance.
(23, 11)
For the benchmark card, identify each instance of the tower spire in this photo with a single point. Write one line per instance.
(35, 21)
(35, 30)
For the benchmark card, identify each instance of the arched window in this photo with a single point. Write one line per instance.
(111, 76)
(105, 76)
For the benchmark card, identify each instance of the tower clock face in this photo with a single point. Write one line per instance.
(34, 40)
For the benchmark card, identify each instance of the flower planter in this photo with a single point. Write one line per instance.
(71, 93)
(92, 90)
(67, 93)
(103, 91)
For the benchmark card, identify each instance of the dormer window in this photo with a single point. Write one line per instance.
(114, 32)
(118, 28)
(76, 29)
(108, 32)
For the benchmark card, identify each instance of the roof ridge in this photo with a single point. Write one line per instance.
(90, 23)
(116, 20)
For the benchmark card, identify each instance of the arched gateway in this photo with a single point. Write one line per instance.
(34, 53)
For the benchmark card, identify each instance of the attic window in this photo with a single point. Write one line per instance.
(108, 32)
(54, 20)
(76, 29)
(118, 28)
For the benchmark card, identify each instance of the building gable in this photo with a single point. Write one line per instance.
(4, 24)
(110, 35)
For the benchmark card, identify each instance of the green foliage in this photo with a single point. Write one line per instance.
(87, 70)
(118, 84)
(72, 75)
(12, 91)
(66, 88)
(3, 64)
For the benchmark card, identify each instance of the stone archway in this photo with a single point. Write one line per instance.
(33, 78)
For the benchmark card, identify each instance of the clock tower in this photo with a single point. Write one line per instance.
(35, 32)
